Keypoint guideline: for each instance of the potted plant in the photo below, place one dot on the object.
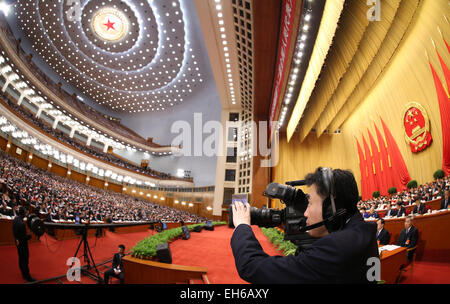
(392, 190)
(376, 194)
(438, 174)
(412, 184)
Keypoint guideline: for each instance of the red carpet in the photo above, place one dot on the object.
(210, 249)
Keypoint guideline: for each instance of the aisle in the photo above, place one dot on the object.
(211, 249)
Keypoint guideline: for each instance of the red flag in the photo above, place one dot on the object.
(444, 107)
(377, 161)
(448, 47)
(372, 186)
(400, 171)
(362, 168)
(386, 167)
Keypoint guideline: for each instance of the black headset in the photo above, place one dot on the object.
(333, 219)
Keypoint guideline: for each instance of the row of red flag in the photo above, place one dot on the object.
(382, 166)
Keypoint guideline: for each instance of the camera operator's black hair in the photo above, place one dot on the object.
(345, 188)
(122, 246)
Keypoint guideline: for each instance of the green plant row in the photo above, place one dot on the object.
(277, 239)
(147, 247)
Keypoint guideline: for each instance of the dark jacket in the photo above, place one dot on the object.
(340, 257)
(401, 212)
(117, 261)
(409, 239)
(20, 231)
(393, 212)
(420, 210)
(384, 237)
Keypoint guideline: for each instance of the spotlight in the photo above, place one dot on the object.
(5, 7)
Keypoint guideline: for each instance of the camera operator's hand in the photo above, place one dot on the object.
(241, 213)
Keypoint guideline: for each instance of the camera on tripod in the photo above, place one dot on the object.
(291, 218)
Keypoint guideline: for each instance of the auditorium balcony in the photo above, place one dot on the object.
(32, 84)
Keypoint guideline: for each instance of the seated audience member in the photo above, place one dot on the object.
(419, 208)
(389, 211)
(408, 236)
(117, 267)
(401, 211)
(445, 203)
(365, 214)
(373, 213)
(383, 236)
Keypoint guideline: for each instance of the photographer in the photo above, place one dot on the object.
(340, 253)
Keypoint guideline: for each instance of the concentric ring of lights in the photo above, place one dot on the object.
(151, 82)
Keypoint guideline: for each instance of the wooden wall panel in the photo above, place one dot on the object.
(3, 143)
(39, 162)
(78, 176)
(61, 171)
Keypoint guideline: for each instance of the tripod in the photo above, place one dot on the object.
(88, 259)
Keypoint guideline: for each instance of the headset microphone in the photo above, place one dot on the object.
(339, 213)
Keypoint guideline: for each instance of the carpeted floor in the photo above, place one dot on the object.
(210, 249)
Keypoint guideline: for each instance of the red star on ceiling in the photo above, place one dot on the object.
(109, 25)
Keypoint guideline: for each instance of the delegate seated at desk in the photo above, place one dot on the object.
(409, 236)
(383, 236)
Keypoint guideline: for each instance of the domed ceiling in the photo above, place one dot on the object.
(129, 56)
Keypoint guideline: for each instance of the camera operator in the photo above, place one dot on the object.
(21, 237)
(340, 253)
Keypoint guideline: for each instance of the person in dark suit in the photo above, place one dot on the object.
(117, 268)
(445, 203)
(401, 211)
(383, 236)
(339, 255)
(21, 238)
(419, 208)
(409, 236)
(389, 211)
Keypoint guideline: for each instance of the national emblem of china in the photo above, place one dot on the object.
(417, 127)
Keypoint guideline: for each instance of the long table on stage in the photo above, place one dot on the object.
(434, 230)
(390, 264)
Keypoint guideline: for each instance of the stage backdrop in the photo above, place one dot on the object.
(407, 78)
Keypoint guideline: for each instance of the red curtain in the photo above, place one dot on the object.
(400, 171)
(387, 168)
(362, 168)
(377, 161)
(372, 186)
(444, 107)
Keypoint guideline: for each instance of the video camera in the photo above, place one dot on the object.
(291, 218)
